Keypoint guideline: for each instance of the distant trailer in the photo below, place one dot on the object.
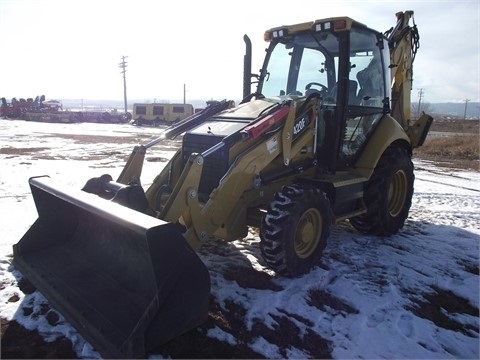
(77, 117)
(159, 113)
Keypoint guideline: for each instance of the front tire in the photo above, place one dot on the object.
(388, 194)
(295, 229)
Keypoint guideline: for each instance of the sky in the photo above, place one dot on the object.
(72, 49)
(367, 299)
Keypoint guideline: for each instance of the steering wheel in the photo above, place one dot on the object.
(308, 90)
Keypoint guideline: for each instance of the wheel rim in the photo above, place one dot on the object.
(397, 193)
(308, 232)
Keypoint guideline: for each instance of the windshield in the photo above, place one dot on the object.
(306, 64)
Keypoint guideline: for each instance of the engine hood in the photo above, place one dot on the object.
(248, 111)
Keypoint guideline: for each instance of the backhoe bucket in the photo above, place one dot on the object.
(126, 281)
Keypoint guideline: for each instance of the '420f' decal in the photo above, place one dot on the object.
(301, 123)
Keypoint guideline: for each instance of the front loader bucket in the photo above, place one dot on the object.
(126, 281)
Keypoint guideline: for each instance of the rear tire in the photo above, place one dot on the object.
(295, 229)
(388, 194)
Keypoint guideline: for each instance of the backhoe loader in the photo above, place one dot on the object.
(326, 136)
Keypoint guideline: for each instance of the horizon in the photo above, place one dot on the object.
(74, 104)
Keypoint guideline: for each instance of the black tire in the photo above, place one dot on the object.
(295, 229)
(388, 194)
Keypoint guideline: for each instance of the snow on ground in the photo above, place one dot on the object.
(368, 298)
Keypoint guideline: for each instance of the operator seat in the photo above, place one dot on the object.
(352, 92)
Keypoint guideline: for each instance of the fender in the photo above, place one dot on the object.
(386, 133)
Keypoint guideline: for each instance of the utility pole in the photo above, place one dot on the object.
(465, 112)
(184, 94)
(123, 66)
(420, 96)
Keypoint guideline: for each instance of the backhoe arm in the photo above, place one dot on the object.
(404, 42)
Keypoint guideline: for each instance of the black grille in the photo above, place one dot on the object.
(216, 162)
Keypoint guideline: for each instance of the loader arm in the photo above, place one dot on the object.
(132, 170)
(225, 210)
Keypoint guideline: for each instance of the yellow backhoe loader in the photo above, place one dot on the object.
(326, 136)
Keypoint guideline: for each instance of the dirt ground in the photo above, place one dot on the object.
(443, 123)
(19, 343)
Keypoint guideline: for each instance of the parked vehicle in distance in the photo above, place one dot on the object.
(155, 114)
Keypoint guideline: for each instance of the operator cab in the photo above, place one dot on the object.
(342, 63)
